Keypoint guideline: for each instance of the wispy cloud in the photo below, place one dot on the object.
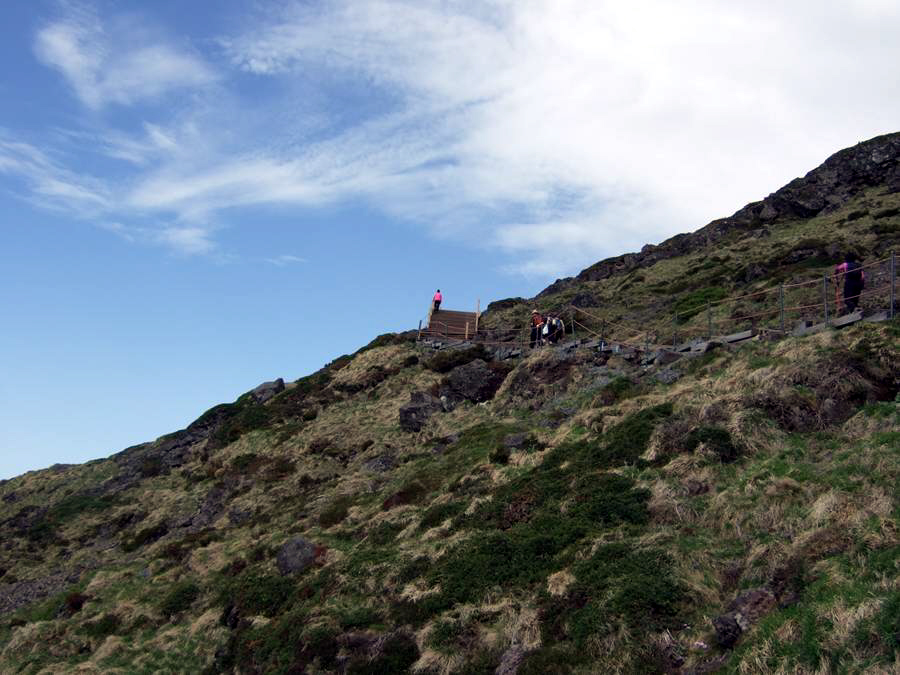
(556, 131)
(283, 260)
(50, 184)
(121, 63)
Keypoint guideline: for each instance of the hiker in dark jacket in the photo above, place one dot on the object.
(537, 324)
(854, 281)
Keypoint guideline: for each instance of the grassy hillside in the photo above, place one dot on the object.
(567, 511)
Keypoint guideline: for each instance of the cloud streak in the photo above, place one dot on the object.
(121, 64)
(556, 131)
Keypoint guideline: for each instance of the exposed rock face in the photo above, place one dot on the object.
(414, 415)
(474, 382)
(267, 390)
(841, 178)
(295, 555)
(743, 612)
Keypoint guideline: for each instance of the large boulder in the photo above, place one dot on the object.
(296, 555)
(415, 414)
(475, 382)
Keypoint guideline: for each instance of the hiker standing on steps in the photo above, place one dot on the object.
(537, 323)
(854, 280)
(437, 300)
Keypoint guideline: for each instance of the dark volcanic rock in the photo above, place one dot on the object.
(584, 300)
(380, 464)
(295, 555)
(743, 612)
(22, 593)
(267, 390)
(474, 382)
(415, 414)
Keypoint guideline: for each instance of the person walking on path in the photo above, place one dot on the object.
(537, 323)
(854, 281)
(437, 300)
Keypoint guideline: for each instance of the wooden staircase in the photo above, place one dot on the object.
(452, 325)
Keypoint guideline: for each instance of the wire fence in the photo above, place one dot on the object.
(777, 309)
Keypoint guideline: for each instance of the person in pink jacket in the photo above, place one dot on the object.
(437, 300)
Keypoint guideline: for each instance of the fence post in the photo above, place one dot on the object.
(893, 282)
(781, 304)
(477, 314)
(419, 337)
(467, 330)
(708, 321)
(825, 295)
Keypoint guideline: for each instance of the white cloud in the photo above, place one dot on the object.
(283, 260)
(650, 117)
(557, 131)
(124, 63)
(50, 184)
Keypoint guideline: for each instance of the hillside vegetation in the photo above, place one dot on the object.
(569, 510)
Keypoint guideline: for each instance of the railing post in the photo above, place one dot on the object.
(893, 282)
(825, 295)
(419, 337)
(477, 314)
(708, 321)
(467, 331)
(781, 303)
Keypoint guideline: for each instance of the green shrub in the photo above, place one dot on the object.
(336, 511)
(627, 441)
(619, 389)
(617, 585)
(179, 598)
(256, 593)
(384, 533)
(693, 303)
(103, 627)
(437, 514)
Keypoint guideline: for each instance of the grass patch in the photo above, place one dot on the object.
(254, 593)
(179, 598)
(692, 304)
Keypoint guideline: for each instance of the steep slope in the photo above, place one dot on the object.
(850, 203)
(461, 511)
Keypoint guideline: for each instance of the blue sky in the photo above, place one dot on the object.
(199, 197)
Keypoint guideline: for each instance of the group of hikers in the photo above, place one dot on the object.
(545, 330)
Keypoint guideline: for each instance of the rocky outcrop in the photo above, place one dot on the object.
(476, 382)
(842, 177)
(267, 390)
(743, 612)
(415, 414)
(295, 556)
